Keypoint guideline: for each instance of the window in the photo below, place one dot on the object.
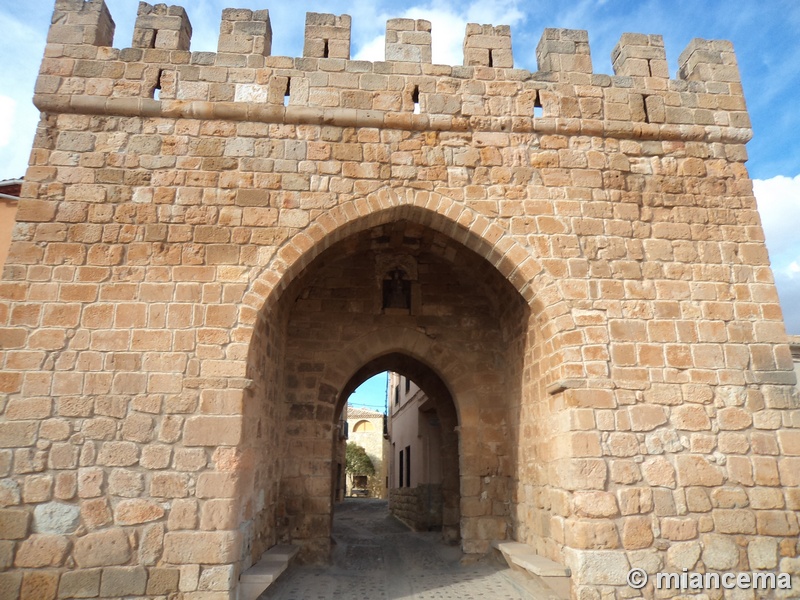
(408, 466)
(396, 395)
(400, 462)
(408, 385)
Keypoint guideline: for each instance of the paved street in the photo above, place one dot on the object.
(377, 558)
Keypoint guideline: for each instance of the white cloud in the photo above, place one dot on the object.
(789, 294)
(448, 25)
(8, 109)
(779, 205)
(374, 50)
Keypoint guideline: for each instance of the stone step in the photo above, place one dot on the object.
(260, 576)
(523, 557)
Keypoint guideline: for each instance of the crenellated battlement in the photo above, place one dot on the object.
(83, 73)
(327, 36)
(162, 26)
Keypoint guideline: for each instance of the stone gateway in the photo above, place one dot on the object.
(196, 282)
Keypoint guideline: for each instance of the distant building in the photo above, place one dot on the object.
(366, 428)
(9, 198)
(794, 345)
(415, 488)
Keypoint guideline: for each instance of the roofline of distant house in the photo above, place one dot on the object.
(8, 197)
(11, 182)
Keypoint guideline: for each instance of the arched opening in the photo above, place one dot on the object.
(455, 326)
(423, 453)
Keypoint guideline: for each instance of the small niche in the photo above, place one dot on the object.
(153, 38)
(287, 94)
(396, 291)
(644, 109)
(538, 109)
(325, 49)
(491, 59)
(415, 99)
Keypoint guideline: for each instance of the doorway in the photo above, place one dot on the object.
(402, 297)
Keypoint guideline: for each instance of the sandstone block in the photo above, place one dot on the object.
(690, 417)
(673, 528)
(220, 514)
(634, 501)
(162, 581)
(203, 547)
(123, 581)
(136, 512)
(41, 585)
(14, 523)
(183, 514)
(777, 523)
(118, 454)
(216, 578)
(734, 521)
(155, 456)
(637, 533)
(696, 470)
(789, 441)
(42, 551)
(605, 567)
(658, 471)
(102, 548)
(212, 431)
(734, 418)
(592, 535)
(581, 474)
(82, 583)
(18, 434)
(595, 504)
(126, 483)
(169, 485)
(683, 555)
(720, 552)
(151, 544)
(646, 417)
(222, 485)
(762, 553)
(95, 513)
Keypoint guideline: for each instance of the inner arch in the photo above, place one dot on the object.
(439, 402)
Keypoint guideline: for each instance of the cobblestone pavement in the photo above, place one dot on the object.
(377, 558)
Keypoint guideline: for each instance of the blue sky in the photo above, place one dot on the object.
(764, 33)
(371, 394)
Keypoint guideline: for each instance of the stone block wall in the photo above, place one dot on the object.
(419, 507)
(598, 302)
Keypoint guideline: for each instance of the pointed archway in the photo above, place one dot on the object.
(460, 330)
(443, 498)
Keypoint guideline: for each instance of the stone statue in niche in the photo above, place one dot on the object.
(396, 290)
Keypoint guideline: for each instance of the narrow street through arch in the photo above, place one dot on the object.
(376, 557)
